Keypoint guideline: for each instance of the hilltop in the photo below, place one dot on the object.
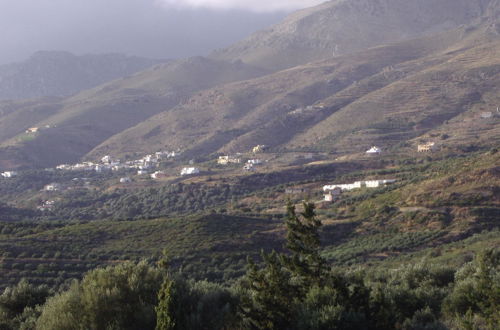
(343, 27)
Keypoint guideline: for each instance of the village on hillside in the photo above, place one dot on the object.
(164, 167)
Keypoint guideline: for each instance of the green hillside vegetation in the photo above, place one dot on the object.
(434, 204)
(291, 290)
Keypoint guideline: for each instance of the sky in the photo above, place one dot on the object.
(149, 28)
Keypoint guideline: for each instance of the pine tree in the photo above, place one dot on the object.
(303, 241)
(276, 290)
(269, 304)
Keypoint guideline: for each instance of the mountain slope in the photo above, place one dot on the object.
(62, 74)
(343, 103)
(72, 127)
(385, 95)
(346, 26)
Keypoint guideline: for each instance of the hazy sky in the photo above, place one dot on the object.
(153, 28)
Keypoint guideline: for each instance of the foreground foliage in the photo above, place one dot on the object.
(293, 290)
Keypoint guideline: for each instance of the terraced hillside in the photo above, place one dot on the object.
(387, 96)
(342, 27)
(418, 48)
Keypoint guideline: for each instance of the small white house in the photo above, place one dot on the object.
(259, 148)
(254, 161)
(158, 175)
(32, 130)
(125, 180)
(427, 147)
(190, 171)
(64, 167)
(333, 195)
(486, 115)
(107, 159)
(142, 172)
(224, 160)
(53, 187)
(374, 151)
(9, 174)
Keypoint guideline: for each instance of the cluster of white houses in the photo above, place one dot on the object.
(249, 165)
(108, 163)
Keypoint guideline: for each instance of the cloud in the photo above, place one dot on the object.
(252, 5)
(135, 27)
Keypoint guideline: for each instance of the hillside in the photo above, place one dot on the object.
(444, 207)
(342, 27)
(69, 128)
(431, 72)
(51, 73)
(387, 96)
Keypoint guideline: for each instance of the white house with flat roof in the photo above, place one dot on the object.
(190, 171)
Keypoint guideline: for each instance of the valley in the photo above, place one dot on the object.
(338, 170)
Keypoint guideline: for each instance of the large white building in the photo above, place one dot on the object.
(358, 184)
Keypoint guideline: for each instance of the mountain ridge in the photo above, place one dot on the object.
(59, 73)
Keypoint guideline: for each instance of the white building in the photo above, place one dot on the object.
(158, 175)
(378, 183)
(374, 151)
(358, 184)
(343, 187)
(9, 174)
(427, 147)
(248, 168)
(224, 160)
(333, 195)
(142, 172)
(254, 161)
(65, 167)
(107, 159)
(53, 187)
(190, 171)
(259, 148)
(486, 115)
(125, 180)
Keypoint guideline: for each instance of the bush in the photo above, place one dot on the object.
(120, 297)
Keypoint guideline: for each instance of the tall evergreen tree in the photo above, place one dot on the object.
(303, 240)
(271, 298)
(276, 290)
